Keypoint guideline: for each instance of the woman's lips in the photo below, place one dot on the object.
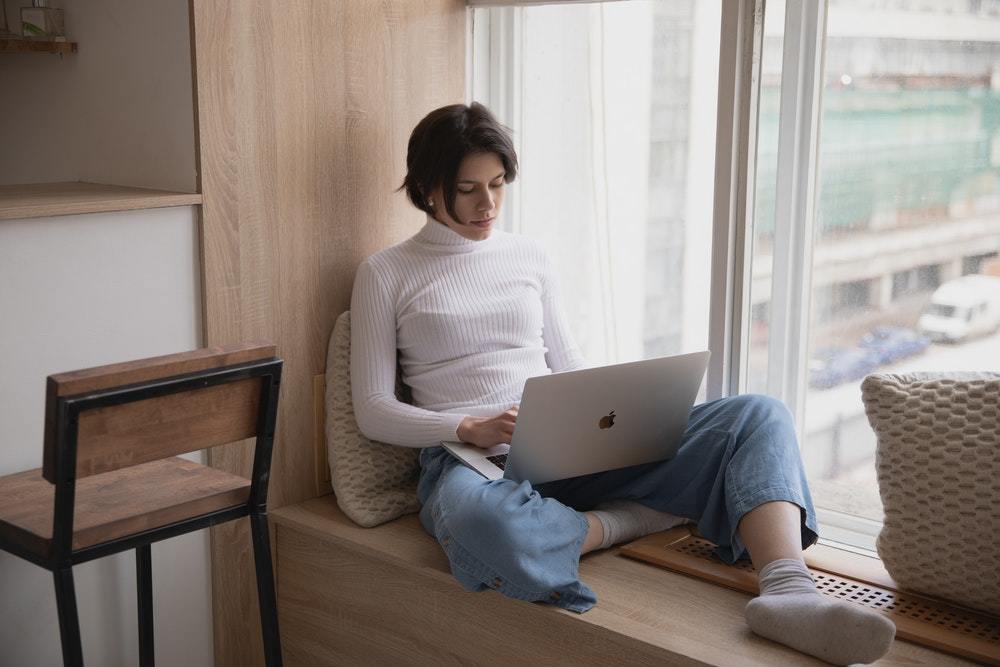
(482, 223)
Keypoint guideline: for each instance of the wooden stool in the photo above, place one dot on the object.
(111, 480)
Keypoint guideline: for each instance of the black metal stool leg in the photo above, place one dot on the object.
(265, 590)
(144, 600)
(69, 621)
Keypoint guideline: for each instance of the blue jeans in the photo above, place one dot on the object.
(737, 453)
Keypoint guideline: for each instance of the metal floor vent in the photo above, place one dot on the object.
(918, 619)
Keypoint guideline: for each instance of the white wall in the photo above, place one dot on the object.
(118, 111)
(78, 291)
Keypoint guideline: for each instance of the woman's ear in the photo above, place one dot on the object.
(429, 199)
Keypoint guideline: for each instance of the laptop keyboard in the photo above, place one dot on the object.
(499, 460)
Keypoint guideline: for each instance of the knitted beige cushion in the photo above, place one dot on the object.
(938, 464)
(374, 482)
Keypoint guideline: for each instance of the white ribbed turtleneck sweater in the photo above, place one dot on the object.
(471, 321)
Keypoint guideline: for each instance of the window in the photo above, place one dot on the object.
(980, 263)
(915, 281)
(612, 106)
(904, 176)
(854, 178)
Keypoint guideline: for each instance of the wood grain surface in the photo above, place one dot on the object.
(94, 379)
(304, 111)
(18, 45)
(42, 200)
(349, 595)
(105, 434)
(118, 503)
(919, 619)
(123, 435)
(322, 461)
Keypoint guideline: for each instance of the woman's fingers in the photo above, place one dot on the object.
(509, 418)
(486, 433)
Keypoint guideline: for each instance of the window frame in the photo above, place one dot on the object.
(740, 53)
(736, 128)
(795, 203)
(740, 47)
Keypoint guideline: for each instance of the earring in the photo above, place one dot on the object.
(430, 202)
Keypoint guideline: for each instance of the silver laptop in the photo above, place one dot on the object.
(592, 420)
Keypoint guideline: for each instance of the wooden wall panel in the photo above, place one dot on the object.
(304, 108)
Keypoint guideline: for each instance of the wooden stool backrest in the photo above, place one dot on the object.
(124, 434)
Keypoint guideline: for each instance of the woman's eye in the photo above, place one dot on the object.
(465, 192)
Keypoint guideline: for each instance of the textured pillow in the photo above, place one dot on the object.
(374, 482)
(938, 463)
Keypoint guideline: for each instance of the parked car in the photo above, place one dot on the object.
(830, 366)
(963, 308)
(894, 343)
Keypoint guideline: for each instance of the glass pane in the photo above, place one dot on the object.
(615, 131)
(762, 265)
(905, 275)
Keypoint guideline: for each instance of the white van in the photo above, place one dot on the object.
(962, 308)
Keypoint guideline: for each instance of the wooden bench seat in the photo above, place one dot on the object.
(384, 595)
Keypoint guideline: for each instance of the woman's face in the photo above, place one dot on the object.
(480, 187)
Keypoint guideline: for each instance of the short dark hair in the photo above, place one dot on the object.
(440, 142)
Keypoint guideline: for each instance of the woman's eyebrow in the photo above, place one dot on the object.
(503, 173)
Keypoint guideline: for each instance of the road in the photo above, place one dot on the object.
(824, 406)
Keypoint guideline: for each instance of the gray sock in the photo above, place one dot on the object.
(790, 610)
(625, 520)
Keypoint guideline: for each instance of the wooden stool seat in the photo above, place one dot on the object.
(118, 503)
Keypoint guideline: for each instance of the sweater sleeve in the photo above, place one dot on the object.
(562, 353)
(380, 415)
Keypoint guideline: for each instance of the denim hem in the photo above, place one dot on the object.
(479, 576)
(568, 599)
(577, 544)
(741, 506)
(575, 604)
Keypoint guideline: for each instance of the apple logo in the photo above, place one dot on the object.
(607, 422)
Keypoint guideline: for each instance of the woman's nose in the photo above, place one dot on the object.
(486, 201)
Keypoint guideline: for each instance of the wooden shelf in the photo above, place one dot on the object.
(39, 200)
(14, 45)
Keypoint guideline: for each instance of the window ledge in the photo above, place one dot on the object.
(849, 576)
(850, 564)
(374, 591)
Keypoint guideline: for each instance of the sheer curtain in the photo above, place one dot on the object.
(602, 99)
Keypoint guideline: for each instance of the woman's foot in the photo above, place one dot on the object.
(626, 520)
(790, 610)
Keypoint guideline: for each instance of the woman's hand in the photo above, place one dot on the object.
(485, 432)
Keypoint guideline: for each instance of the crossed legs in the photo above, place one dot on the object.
(789, 609)
(738, 474)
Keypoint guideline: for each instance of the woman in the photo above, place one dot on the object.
(471, 312)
